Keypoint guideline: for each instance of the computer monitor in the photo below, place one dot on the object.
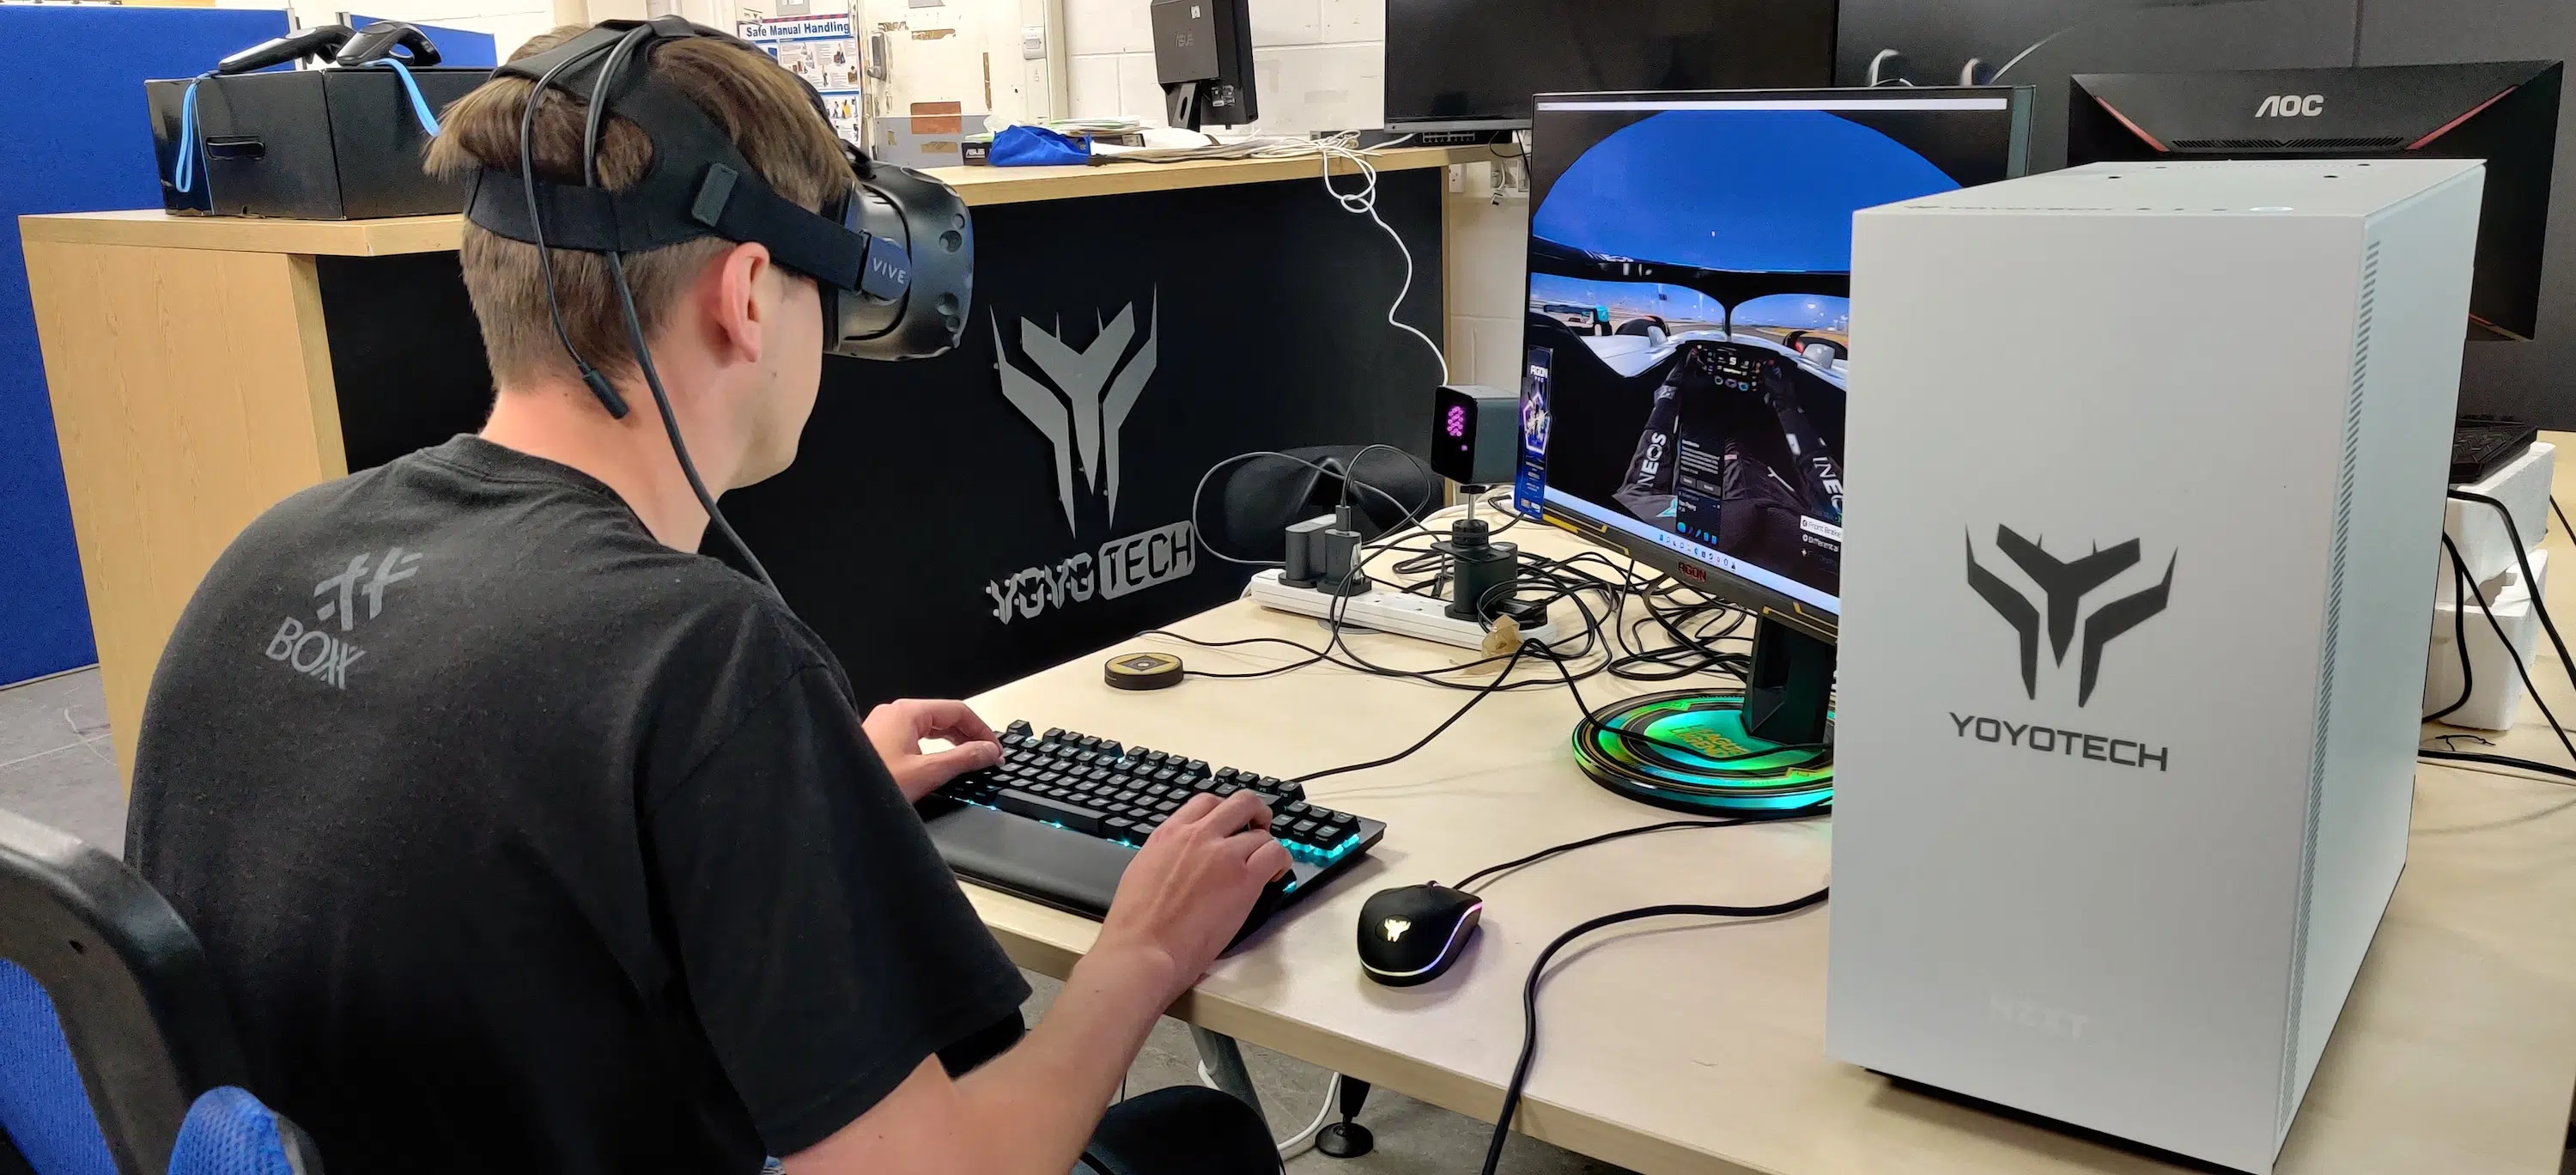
(2504, 112)
(1203, 58)
(1474, 64)
(1687, 336)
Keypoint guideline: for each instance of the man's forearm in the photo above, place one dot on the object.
(1040, 1101)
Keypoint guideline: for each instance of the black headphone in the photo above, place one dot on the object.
(894, 256)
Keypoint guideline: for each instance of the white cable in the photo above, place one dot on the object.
(1364, 202)
(1300, 1142)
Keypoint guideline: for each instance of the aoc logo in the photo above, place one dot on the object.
(2063, 585)
(2291, 106)
(1080, 399)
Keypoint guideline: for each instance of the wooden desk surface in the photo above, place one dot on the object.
(433, 234)
(1692, 1046)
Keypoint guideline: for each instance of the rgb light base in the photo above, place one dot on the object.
(1735, 772)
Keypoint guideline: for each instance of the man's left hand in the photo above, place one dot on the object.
(897, 728)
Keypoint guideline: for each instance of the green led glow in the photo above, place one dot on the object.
(1732, 771)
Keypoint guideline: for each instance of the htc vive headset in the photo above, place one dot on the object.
(894, 257)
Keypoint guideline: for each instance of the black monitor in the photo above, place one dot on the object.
(1687, 336)
(1203, 58)
(2504, 112)
(1474, 64)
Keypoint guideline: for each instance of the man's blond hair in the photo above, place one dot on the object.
(752, 100)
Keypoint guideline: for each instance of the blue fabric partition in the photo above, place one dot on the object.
(456, 47)
(74, 137)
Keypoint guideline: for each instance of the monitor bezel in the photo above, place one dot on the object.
(1761, 599)
(1522, 119)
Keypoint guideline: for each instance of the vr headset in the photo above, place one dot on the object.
(894, 256)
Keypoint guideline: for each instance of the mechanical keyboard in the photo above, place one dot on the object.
(1057, 820)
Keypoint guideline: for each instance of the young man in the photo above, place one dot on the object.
(522, 837)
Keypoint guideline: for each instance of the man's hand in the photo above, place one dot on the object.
(1191, 886)
(897, 728)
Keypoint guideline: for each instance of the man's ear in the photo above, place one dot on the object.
(743, 300)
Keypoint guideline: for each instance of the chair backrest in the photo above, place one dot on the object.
(111, 1023)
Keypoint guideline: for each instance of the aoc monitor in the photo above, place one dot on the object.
(1465, 65)
(2503, 112)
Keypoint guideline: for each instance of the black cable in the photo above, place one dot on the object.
(2500, 761)
(1199, 495)
(597, 116)
(2531, 585)
(2562, 517)
(2524, 671)
(1801, 812)
(635, 322)
(1481, 694)
(671, 425)
(2460, 637)
(606, 392)
(1590, 726)
(1538, 973)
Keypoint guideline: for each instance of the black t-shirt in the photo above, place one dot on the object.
(520, 841)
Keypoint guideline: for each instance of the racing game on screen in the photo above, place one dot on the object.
(1689, 311)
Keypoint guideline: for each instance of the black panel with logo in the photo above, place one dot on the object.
(950, 525)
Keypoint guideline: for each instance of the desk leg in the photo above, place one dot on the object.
(1224, 1061)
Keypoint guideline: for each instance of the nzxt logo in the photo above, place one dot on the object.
(2291, 106)
(1093, 391)
(2065, 584)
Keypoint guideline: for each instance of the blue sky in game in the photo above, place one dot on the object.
(1681, 304)
(1757, 190)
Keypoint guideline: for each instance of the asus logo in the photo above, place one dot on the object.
(2291, 106)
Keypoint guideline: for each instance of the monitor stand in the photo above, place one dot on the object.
(1766, 749)
(1788, 695)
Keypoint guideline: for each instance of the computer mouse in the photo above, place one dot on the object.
(1411, 934)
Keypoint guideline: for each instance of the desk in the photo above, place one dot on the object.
(1687, 1046)
(202, 368)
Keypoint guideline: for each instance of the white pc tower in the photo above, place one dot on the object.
(2147, 473)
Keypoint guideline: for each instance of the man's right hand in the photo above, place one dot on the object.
(1190, 888)
(1028, 1111)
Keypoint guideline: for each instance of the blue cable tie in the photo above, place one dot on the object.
(183, 176)
(419, 105)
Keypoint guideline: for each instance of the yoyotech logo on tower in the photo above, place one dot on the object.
(1079, 399)
(2063, 584)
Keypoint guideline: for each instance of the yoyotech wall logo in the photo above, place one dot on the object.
(2063, 585)
(1094, 390)
(1080, 399)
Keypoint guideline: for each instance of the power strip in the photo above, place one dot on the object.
(1400, 613)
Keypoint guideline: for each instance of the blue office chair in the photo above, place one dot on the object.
(117, 1056)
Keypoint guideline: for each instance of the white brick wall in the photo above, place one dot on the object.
(1486, 266)
(1318, 64)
